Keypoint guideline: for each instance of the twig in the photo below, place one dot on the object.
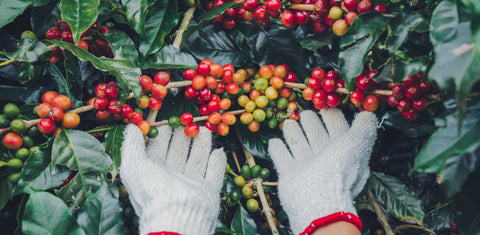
(236, 161)
(302, 7)
(7, 62)
(270, 183)
(338, 90)
(186, 20)
(405, 226)
(196, 119)
(381, 217)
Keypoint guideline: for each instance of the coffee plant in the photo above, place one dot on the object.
(74, 73)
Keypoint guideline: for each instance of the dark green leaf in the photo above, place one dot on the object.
(242, 222)
(447, 142)
(256, 142)
(222, 229)
(401, 26)
(11, 9)
(397, 69)
(60, 81)
(468, 206)
(160, 21)
(136, 14)
(23, 94)
(396, 198)
(82, 152)
(456, 171)
(210, 14)
(214, 43)
(272, 44)
(113, 143)
(28, 50)
(5, 191)
(80, 14)
(44, 17)
(170, 57)
(176, 106)
(37, 174)
(122, 46)
(444, 22)
(102, 213)
(47, 214)
(73, 75)
(121, 68)
(311, 41)
(356, 43)
(416, 129)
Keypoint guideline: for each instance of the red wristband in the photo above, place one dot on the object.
(338, 216)
(163, 233)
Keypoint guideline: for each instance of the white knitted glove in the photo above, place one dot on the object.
(322, 170)
(172, 187)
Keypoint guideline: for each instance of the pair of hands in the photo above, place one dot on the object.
(174, 187)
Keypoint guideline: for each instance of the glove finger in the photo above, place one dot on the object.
(157, 148)
(198, 159)
(316, 134)
(296, 140)
(178, 151)
(364, 130)
(335, 122)
(280, 155)
(216, 168)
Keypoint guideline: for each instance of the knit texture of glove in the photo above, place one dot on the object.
(324, 166)
(171, 186)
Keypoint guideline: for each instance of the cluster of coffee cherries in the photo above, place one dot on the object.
(410, 97)
(330, 14)
(54, 111)
(243, 189)
(321, 88)
(19, 141)
(91, 40)
(366, 83)
(108, 107)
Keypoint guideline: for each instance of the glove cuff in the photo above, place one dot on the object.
(335, 217)
(179, 217)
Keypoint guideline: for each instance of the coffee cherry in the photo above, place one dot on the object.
(412, 92)
(420, 104)
(411, 80)
(46, 126)
(100, 90)
(264, 173)
(426, 87)
(203, 109)
(320, 27)
(144, 127)
(314, 83)
(335, 13)
(100, 103)
(225, 104)
(318, 73)
(13, 141)
(127, 111)
(210, 126)
(247, 191)
(370, 103)
(319, 97)
(260, 12)
(159, 91)
(115, 107)
(42, 110)
(223, 129)
(70, 120)
(214, 118)
(229, 119)
(288, 19)
(392, 101)
(186, 119)
(146, 83)
(111, 92)
(234, 195)
(189, 74)
(163, 78)
(254, 126)
(382, 8)
(191, 130)
(260, 84)
(328, 85)
(250, 5)
(56, 114)
(18, 126)
(103, 115)
(174, 122)
(190, 93)
(135, 118)
(48, 97)
(239, 181)
(398, 91)
(238, 78)
(252, 205)
(203, 69)
(104, 29)
(403, 105)
(232, 88)
(363, 84)
(82, 44)
(351, 5)
(364, 6)
(22, 153)
(246, 118)
(333, 100)
(410, 115)
(230, 13)
(245, 172)
(62, 101)
(321, 7)
(67, 37)
(307, 93)
(350, 16)
(53, 33)
(291, 77)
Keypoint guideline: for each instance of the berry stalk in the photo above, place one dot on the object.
(197, 119)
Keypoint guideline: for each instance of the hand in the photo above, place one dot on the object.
(172, 187)
(325, 168)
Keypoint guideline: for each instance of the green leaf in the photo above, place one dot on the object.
(37, 174)
(206, 18)
(242, 222)
(11, 9)
(136, 14)
(102, 213)
(113, 143)
(256, 142)
(467, 205)
(396, 198)
(170, 57)
(121, 68)
(5, 191)
(447, 141)
(60, 81)
(214, 43)
(272, 44)
(44, 17)
(401, 26)
(47, 214)
(176, 105)
(28, 50)
(80, 14)
(82, 152)
(123, 47)
(162, 18)
(73, 75)
(416, 129)
(444, 22)
(398, 68)
(456, 171)
(356, 43)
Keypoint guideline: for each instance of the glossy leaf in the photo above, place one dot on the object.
(79, 151)
(422, 127)
(444, 22)
(206, 19)
(121, 68)
(162, 18)
(11, 9)
(102, 213)
(170, 57)
(176, 105)
(467, 203)
(242, 222)
(37, 174)
(398, 68)
(447, 141)
(44, 17)
(47, 214)
(396, 198)
(5, 191)
(28, 50)
(214, 43)
(136, 14)
(356, 43)
(256, 142)
(401, 26)
(123, 47)
(80, 14)
(60, 81)
(456, 171)
(113, 143)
